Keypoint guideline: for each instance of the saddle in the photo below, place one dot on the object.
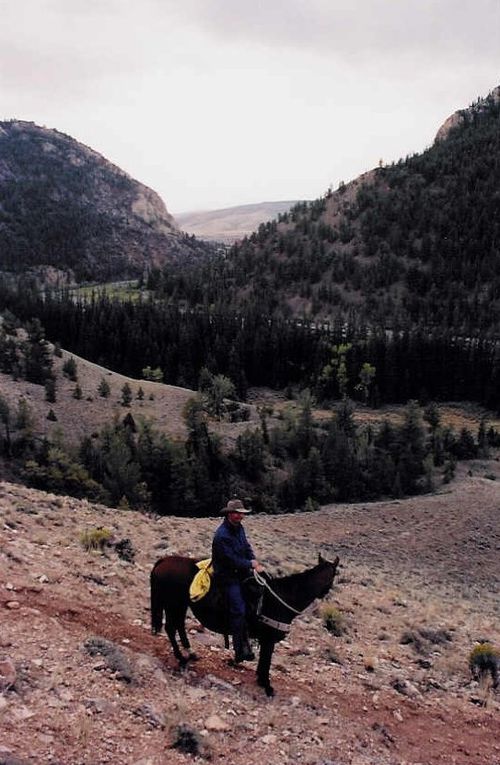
(210, 607)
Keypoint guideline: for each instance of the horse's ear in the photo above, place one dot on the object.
(320, 558)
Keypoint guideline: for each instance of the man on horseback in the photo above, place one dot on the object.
(233, 560)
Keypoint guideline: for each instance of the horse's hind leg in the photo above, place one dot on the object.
(172, 626)
(175, 624)
(181, 628)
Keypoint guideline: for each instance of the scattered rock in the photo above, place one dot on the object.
(8, 674)
(114, 658)
(217, 682)
(404, 687)
(100, 706)
(269, 738)
(12, 760)
(22, 713)
(150, 714)
(214, 722)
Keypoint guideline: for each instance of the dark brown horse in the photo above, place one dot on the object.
(283, 598)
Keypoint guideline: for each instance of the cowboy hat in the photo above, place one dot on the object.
(235, 506)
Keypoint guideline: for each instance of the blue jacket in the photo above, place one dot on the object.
(232, 554)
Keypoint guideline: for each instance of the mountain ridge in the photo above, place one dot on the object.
(413, 242)
(64, 206)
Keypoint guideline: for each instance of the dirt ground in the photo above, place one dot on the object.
(418, 586)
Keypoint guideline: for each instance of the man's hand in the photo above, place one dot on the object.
(257, 566)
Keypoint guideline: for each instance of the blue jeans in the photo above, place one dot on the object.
(237, 613)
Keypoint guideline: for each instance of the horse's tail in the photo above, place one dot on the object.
(156, 604)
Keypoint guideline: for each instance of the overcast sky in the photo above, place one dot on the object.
(215, 103)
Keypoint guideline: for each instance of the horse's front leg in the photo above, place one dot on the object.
(264, 666)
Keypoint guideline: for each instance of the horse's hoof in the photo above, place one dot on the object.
(193, 656)
(235, 664)
(266, 685)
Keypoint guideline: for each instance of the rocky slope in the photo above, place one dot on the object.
(458, 117)
(64, 206)
(82, 681)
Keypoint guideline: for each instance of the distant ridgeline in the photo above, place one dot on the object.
(67, 213)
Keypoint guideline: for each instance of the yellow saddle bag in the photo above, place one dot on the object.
(202, 580)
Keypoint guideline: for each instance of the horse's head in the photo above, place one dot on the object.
(326, 574)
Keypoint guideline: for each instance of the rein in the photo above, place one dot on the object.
(263, 583)
(281, 626)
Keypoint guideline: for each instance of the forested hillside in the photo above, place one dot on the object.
(411, 244)
(67, 212)
(73, 428)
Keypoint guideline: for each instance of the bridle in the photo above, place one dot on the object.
(264, 583)
(274, 623)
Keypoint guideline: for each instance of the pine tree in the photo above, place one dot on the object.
(482, 439)
(50, 390)
(221, 387)
(250, 453)
(70, 369)
(126, 395)
(103, 388)
(366, 377)
(37, 356)
(5, 419)
(24, 415)
(122, 474)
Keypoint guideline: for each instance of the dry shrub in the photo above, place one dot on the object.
(125, 550)
(370, 663)
(484, 659)
(333, 620)
(96, 539)
(332, 656)
(423, 638)
(187, 740)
